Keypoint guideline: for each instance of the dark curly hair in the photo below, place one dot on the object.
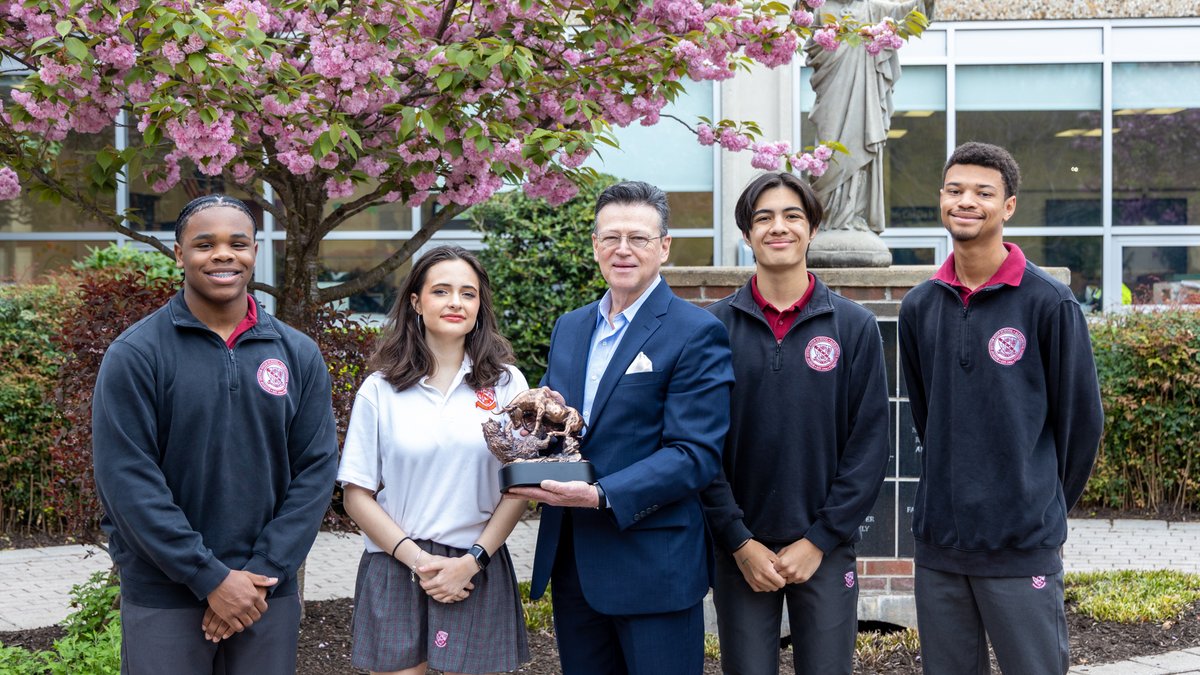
(991, 157)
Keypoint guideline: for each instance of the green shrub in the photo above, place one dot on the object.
(1149, 368)
(539, 614)
(92, 643)
(152, 265)
(1132, 597)
(539, 259)
(29, 317)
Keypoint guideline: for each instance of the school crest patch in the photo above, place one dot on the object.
(848, 577)
(485, 399)
(441, 638)
(1039, 582)
(822, 353)
(1007, 346)
(273, 377)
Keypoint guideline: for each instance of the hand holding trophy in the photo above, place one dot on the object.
(536, 419)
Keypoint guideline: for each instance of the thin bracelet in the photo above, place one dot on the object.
(397, 546)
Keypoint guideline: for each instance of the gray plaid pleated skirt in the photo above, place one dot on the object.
(397, 626)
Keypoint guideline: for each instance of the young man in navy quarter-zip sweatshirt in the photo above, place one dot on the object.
(1005, 399)
(806, 451)
(215, 452)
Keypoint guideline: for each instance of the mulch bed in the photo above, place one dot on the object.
(325, 643)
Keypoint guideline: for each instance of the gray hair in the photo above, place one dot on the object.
(636, 192)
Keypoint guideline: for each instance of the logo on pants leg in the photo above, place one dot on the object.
(848, 577)
(441, 638)
(1039, 582)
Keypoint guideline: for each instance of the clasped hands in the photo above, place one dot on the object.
(238, 602)
(448, 579)
(765, 571)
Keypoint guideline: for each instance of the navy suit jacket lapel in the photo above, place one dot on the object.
(578, 341)
(644, 324)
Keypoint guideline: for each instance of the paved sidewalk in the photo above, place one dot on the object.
(35, 583)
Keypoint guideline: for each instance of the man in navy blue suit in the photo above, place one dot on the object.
(629, 556)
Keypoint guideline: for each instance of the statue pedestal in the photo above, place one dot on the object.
(848, 248)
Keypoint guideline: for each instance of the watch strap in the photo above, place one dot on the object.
(482, 558)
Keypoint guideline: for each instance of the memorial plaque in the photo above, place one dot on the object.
(908, 495)
(879, 528)
(891, 359)
(909, 448)
(893, 413)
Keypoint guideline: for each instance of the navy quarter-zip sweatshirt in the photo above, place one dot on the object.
(208, 458)
(807, 446)
(1006, 401)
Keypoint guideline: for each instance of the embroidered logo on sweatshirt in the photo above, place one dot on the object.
(822, 353)
(485, 399)
(273, 377)
(441, 638)
(1007, 346)
(1039, 582)
(849, 579)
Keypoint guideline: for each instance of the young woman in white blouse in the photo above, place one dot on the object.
(435, 585)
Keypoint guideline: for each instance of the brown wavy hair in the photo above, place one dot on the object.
(402, 356)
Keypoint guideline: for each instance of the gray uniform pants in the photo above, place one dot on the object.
(822, 613)
(1022, 616)
(156, 641)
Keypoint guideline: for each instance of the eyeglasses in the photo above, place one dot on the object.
(635, 240)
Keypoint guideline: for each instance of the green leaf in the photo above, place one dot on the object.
(204, 18)
(354, 137)
(208, 114)
(77, 49)
(444, 81)
(435, 126)
(181, 29)
(197, 62)
(62, 28)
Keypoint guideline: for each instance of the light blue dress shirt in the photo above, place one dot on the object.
(606, 338)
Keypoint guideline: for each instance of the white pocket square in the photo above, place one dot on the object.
(641, 364)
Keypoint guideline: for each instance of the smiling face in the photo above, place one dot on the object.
(779, 232)
(216, 252)
(449, 300)
(974, 208)
(629, 270)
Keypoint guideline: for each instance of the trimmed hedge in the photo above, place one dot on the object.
(29, 363)
(1149, 367)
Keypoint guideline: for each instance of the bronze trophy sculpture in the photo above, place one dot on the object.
(536, 419)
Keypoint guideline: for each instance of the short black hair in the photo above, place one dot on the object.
(743, 212)
(207, 202)
(991, 157)
(635, 192)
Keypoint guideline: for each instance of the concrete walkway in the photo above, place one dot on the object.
(35, 583)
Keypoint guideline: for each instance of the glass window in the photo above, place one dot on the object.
(916, 145)
(1082, 255)
(28, 213)
(158, 211)
(28, 261)
(343, 260)
(1157, 275)
(691, 251)
(913, 256)
(1156, 131)
(389, 216)
(667, 155)
(1048, 117)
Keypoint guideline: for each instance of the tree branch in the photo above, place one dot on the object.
(350, 209)
(394, 261)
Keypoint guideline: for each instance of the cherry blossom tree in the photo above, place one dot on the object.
(404, 101)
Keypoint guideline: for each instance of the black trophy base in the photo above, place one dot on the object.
(531, 474)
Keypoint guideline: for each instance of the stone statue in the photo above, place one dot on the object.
(854, 105)
(536, 417)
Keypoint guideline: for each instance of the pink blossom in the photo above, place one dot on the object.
(733, 141)
(704, 134)
(826, 36)
(339, 189)
(814, 3)
(10, 184)
(823, 152)
(802, 18)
